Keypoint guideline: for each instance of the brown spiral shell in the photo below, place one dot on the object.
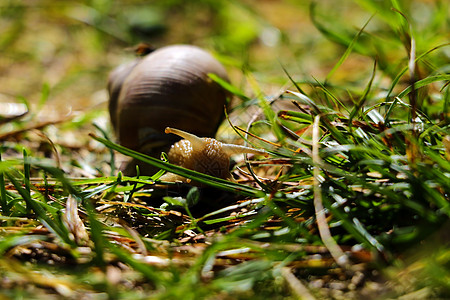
(169, 87)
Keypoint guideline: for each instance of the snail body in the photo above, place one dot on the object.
(204, 155)
(169, 87)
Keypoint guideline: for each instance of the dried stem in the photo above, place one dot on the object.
(296, 285)
(335, 251)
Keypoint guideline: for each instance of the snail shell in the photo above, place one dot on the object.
(169, 87)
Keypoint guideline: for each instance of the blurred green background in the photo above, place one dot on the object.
(56, 55)
(70, 46)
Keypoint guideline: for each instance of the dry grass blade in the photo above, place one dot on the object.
(135, 235)
(338, 255)
(247, 132)
(74, 223)
(62, 286)
(38, 126)
(296, 285)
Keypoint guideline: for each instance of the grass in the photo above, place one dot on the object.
(354, 193)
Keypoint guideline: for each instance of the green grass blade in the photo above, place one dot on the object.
(111, 152)
(363, 98)
(55, 226)
(295, 116)
(337, 35)
(332, 96)
(399, 76)
(3, 195)
(423, 82)
(11, 241)
(229, 87)
(348, 50)
(96, 233)
(200, 177)
(150, 273)
(292, 80)
(26, 173)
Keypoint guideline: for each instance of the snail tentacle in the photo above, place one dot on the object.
(196, 142)
(231, 149)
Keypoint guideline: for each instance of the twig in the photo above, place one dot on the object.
(296, 285)
(38, 126)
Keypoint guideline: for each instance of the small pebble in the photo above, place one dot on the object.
(338, 285)
(316, 284)
(357, 279)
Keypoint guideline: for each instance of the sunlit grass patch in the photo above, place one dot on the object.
(357, 177)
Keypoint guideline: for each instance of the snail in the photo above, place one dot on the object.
(204, 155)
(168, 87)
